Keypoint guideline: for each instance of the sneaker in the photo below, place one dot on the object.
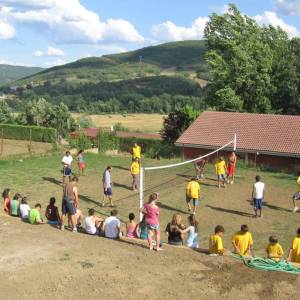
(295, 209)
(74, 229)
(62, 227)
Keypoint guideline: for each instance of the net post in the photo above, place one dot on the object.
(141, 191)
(234, 143)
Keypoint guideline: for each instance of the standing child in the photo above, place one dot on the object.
(67, 169)
(6, 198)
(296, 196)
(143, 229)
(294, 253)
(52, 213)
(136, 151)
(193, 194)
(199, 167)
(221, 170)
(231, 168)
(15, 205)
(80, 162)
(258, 193)
(132, 229)
(274, 249)
(192, 240)
(216, 243)
(24, 209)
(151, 212)
(135, 171)
(242, 241)
(107, 186)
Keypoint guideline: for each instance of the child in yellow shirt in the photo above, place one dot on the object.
(274, 249)
(242, 241)
(296, 196)
(221, 171)
(216, 243)
(193, 194)
(294, 253)
(135, 171)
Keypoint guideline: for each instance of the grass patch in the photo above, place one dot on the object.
(86, 264)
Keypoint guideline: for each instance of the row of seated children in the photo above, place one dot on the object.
(242, 243)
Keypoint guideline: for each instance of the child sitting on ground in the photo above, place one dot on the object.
(34, 215)
(112, 226)
(215, 241)
(15, 205)
(192, 240)
(24, 209)
(132, 229)
(93, 223)
(6, 198)
(242, 241)
(274, 249)
(52, 213)
(294, 253)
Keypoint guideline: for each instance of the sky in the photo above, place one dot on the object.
(53, 32)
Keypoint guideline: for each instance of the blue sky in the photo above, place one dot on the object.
(52, 32)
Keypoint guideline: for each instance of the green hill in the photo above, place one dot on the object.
(9, 74)
(153, 79)
(166, 59)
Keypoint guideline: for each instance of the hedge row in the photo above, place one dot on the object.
(33, 133)
(150, 147)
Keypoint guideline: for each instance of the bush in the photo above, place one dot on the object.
(107, 141)
(35, 133)
(150, 147)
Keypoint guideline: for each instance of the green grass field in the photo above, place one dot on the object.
(39, 179)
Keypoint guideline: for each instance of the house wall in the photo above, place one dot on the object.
(272, 161)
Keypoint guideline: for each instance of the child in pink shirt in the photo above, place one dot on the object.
(151, 212)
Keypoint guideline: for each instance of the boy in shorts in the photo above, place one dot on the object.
(221, 171)
(258, 194)
(66, 162)
(193, 194)
(107, 190)
(296, 196)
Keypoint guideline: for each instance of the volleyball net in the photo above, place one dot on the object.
(166, 178)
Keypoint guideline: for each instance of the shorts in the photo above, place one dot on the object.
(81, 165)
(257, 203)
(68, 207)
(153, 226)
(296, 196)
(67, 171)
(222, 177)
(107, 192)
(195, 200)
(231, 169)
(53, 222)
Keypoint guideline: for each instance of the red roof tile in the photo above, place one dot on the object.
(255, 132)
(88, 132)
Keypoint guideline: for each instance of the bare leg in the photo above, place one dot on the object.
(150, 239)
(157, 233)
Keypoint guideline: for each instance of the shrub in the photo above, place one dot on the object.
(107, 141)
(35, 133)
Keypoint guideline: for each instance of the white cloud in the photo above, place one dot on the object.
(287, 7)
(7, 31)
(13, 63)
(168, 31)
(51, 51)
(68, 21)
(111, 49)
(270, 18)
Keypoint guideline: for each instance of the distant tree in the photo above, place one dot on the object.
(176, 122)
(5, 113)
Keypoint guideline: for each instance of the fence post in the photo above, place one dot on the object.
(2, 140)
(30, 141)
(141, 194)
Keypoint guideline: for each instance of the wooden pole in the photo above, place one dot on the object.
(2, 140)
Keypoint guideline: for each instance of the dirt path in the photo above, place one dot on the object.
(41, 262)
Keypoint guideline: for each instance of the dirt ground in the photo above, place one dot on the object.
(17, 147)
(41, 262)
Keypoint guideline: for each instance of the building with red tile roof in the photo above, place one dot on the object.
(267, 139)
